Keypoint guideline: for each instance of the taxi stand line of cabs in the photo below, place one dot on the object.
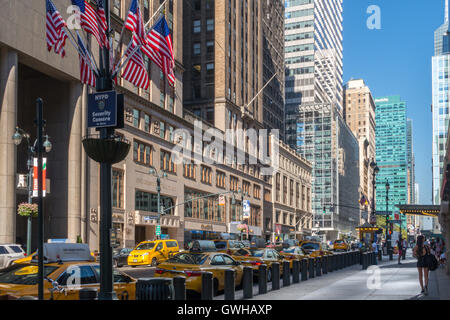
(21, 279)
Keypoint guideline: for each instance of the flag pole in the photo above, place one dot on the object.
(118, 68)
(89, 54)
(78, 49)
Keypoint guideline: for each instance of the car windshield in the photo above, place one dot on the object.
(189, 258)
(311, 246)
(16, 249)
(246, 243)
(146, 246)
(27, 275)
(339, 241)
(289, 250)
(220, 245)
(257, 253)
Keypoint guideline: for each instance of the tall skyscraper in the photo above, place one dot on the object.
(440, 104)
(359, 114)
(231, 50)
(411, 163)
(391, 154)
(315, 127)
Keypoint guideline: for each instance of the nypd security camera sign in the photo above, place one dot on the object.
(102, 109)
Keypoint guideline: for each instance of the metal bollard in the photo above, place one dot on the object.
(295, 271)
(333, 262)
(207, 286)
(318, 266)
(286, 274)
(179, 286)
(248, 283)
(311, 268)
(360, 255)
(365, 259)
(229, 289)
(262, 274)
(275, 276)
(154, 289)
(347, 260)
(324, 264)
(380, 255)
(304, 269)
(88, 294)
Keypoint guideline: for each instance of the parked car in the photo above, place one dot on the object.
(10, 253)
(152, 252)
(202, 257)
(340, 245)
(120, 256)
(256, 257)
(62, 262)
(293, 253)
(228, 246)
(314, 248)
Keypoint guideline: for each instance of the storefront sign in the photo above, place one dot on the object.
(278, 228)
(221, 200)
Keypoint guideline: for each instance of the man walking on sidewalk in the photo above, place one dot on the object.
(400, 249)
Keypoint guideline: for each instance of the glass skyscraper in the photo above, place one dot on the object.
(440, 91)
(314, 123)
(391, 135)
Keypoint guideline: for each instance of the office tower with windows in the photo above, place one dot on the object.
(391, 155)
(315, 127)
(411, 164)
(231, 50)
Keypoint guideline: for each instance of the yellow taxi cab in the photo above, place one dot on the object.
(228, 246)
(31, 256)
(340, 245)
(201, 257)
(254, 257)
(68, 268)
(314, 248)
(152, 252)
(293, 253)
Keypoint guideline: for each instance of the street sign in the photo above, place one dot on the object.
(102, 109)
(148, 218)
(246, 209)
(158, 230)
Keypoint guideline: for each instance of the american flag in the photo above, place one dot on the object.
(160, 41)
(135, 71)
(56, 34)
(135, 24)
(87, 75)
(92, 22)
(102, 21)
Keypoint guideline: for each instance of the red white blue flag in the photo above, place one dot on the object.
(135, 70)
(92, 21)
(55, 30)
(87, 75)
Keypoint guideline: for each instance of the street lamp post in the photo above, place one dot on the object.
(388, 236)
(375, 171)
(155, 173)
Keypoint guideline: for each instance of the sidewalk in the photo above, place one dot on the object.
(396, 282)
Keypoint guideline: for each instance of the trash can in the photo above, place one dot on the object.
(154, 289)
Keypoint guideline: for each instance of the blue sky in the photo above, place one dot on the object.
(397, 60)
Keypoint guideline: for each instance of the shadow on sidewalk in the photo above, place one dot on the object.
(404, 265)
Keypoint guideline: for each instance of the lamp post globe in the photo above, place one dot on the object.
(17, 137)
(47, 145)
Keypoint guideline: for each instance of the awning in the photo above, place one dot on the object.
(419, 210)
(367, 227)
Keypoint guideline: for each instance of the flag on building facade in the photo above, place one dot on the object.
(160, 40)
(55, 30)
(135, 70)
(87, 75)
(92, 22)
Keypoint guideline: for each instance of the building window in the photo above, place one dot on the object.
(197, 49)
(117, 188)
(136, 117)
(256, 192)
(197, 26)
(220, 179)
(246, 187)
(210, 25)
(278, 192)
(206, 175)
(189, 170)
(142, 153)
(210, 47)
(234, 183)
(267, 195)
(147, 121)
(291, 193)
(167, 163)
(210, 68)
(170, 133)
(162, 130)
(117, 7)
(145, 201)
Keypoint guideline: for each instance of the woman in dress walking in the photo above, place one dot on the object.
(419, 251)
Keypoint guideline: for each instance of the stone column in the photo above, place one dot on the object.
(8, 120)
(74, 161)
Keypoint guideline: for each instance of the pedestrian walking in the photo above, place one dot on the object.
(400, 249)
(405, 247)
(419, 252)
(375, 247)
